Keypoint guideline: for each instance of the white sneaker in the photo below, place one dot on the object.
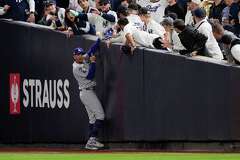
(93, 142)
(90, 147)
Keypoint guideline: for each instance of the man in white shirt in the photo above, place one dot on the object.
(103, 19)
(233, 44)
(172, 40)
(204, 27)
(156, 7)
(150, 25)
(191, 6)
(136, 37)
(133, 16)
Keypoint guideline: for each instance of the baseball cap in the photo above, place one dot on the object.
(143, 11)
(168, 21)
(78, 51)
(49, 3)
(199, 12)
(103, 2)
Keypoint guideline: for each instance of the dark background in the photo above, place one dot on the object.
(151, 96)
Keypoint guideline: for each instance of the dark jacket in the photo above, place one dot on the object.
(216, 11)
(192, 40)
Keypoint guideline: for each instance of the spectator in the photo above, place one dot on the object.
(102, 18)
(204, 27)
(77, 26)
(150, 25)
(192, 5)
(23, 10)
(62, 3)
(216, 10)
(172, 15)
(191, 39)
(126, 3)
(86, 8)
(218, 32)
(136, 37)
(74, 5)
(174, 7)
(122, 12)
(156, 8)
(3, 8)
(234, 46)
(172, 40)
(231, 16)
(53, 16)
(133, 16)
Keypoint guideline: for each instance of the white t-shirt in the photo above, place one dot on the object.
(136, 21)
(189, 18)
(156, 9)
(142, 38)
(212, 46)
(235, 52)
(2, 12)
(154, 28)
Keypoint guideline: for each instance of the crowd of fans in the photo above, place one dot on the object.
(187, 27)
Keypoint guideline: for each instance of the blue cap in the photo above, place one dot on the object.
(199, 12)
(78, 51)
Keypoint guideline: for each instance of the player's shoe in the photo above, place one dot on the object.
(93, 144)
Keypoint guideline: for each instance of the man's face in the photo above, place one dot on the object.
(51, 9)
(170, 1)
(70, 16)
(228, 2)
(142, 17)
(83, 3)
(78, 58)
(218, 35)
(124, 3)
(104, 6)
(191, 6)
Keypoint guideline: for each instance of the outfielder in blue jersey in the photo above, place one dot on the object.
(84, 68)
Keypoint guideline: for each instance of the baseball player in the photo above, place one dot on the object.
(84, 67)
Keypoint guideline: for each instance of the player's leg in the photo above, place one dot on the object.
(92, 120)
(96, 117)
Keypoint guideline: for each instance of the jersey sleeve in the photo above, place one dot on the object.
(31, 5)
(109, 17)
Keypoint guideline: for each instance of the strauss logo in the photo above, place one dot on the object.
(14, 94)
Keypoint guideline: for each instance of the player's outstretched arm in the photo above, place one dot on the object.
(93, 48)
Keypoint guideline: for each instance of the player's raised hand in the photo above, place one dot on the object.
(92, 59)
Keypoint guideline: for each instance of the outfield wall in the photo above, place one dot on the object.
(151, 96)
